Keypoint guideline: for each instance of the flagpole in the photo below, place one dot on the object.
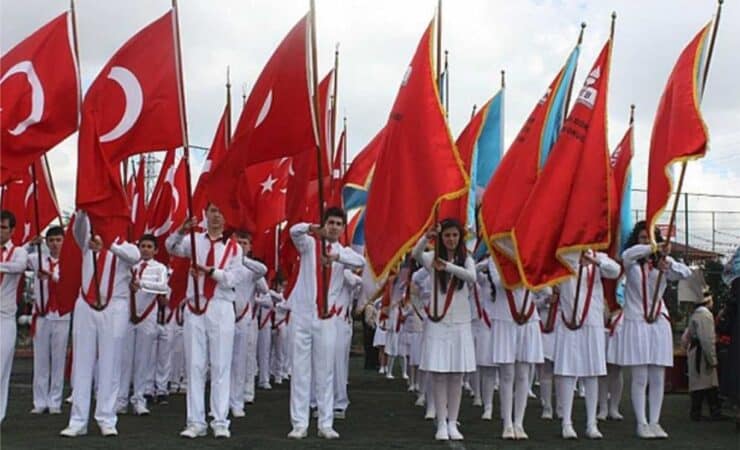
(334, 103)
(572, 79)
(38, 233)
(472, 113)
(632, 114)
(447, 87)
(186, 149)
(653, 306)
(344, 150)
(53, 190)
(439, 40)
(315, 100)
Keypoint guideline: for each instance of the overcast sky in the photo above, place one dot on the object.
(529, 39)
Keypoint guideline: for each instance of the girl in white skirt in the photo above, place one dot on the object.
(516, 345)
(610, 386)
(393, 325)
(484, 296)
(448, 350)
(380, 332)
(421, 284)
(646, 341)
(411, 341)
(579, 338)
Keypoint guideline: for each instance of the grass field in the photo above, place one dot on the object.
(382, 415)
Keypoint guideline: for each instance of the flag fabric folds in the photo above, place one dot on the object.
(512, 182)
(679, 132)
(568, 210)
(417, 168)
(39, 106)
(132, 107)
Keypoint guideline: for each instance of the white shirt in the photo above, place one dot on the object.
(253, 279)
(145, 299)
(500, 309)
(13, 263)
(607, 268)
(303, 297)
(39, 285)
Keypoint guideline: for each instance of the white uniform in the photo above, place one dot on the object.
(314, 339)
(244, 311)
(209, 335)
(51, 333)
(98, 335)
(163, 353)
(344, 340)
(138, 360)
(13, 262)
(280, 339)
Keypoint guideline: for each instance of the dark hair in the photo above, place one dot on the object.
(55, 230)
(148, 237)
(243, 234)
(634, 238)
(9, 216)
(461, 252)
(334, 211)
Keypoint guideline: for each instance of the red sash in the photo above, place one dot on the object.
(91, 296)
(612, 325)
(645, 311)
(448, 301)
(241, 315)
(209, 285)
(482, 314)
(520, 317)
(552, 314)
(576, 324)
(134, 318)
(322, 284)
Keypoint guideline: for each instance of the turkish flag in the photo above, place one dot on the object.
(276, 121)
(40, 96)
(18, 198)
(326, 125)
(265, 188)
(568, 210)
(512, 182)
(417, 167)
(70, 263)
(679, 132)
(220, 145)
(168, 207)
(131, 107)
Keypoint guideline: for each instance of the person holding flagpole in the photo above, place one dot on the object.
(646, 342)
(448, 350)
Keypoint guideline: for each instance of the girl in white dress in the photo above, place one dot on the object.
(580, 348)
(646, 341)
(484, 297)
(548, 311)
(448, 350)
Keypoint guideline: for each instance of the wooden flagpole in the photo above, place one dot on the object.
(38, 233)
(572, 80)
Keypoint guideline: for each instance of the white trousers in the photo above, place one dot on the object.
(209, 343)
(145, 353)
(239, 366)
(7, 349)
(314, 342)
(264, 341)
(163, 357)
(341, 363)
(177, 361)
(49, 357)
(97, 336)
(278, 353)
(251, 360)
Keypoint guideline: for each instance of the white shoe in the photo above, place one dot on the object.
(592, 432)
(442, 433)
(389, 376)
(477, 401)
(614, 415)
(487, 414)
(453, 432)
(420, 400)
(221, 432)
(658, 431)
(531, 394)
(508, 434)
(298, 433)
(405, 376)
(68, 400)
(467, 387)
(122, 410)
(519, 433)
(141, 410)
(328, 433)
(569, 432)
(192, 432)
(431, 414)
(278, 381)
(410, 388)
(237, 413)
(645, 432)
(73, 432)
(339, 414)
(546, 414)
(601, 416)
(38, 411)
(55, 411)
(381, 370)
(108, 431)
(265, 386)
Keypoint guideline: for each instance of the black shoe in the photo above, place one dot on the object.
(163, 399)
(149, 398)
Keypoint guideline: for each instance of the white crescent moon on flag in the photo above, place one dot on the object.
(265, 110)
(134, 102)
(168, 223)
(37, 95)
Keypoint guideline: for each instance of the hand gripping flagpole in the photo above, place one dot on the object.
(654, 304)
(186, 149)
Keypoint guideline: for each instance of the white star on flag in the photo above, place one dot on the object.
(268, 183)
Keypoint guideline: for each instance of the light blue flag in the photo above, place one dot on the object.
(626, 220)
(557, 113)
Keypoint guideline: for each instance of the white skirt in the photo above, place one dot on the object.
(392, 343)
(512, 343)
(579, 353)
(379, 338)
(548, 345)
(484, 347)
(640, 343)
(447, 348)
(412, 345)
(612, 343)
